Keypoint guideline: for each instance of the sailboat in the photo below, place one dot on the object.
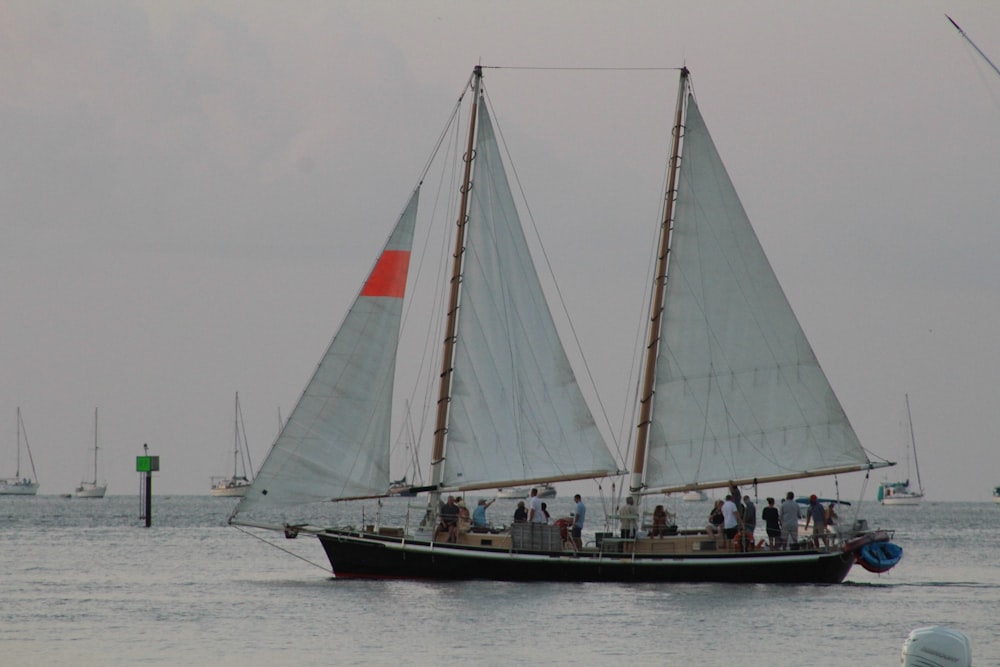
(87, 488)
(732, 394)
(237, 484)
(901, 493)
(18, 485)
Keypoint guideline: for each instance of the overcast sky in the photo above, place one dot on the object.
(191, 193)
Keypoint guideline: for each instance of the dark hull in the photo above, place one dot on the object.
(355, 556)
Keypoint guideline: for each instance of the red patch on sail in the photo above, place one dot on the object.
(388, 278)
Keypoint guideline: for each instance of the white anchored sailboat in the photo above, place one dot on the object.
(19, 485)
(732, 393)
(91, 488)
(237, 484)
(900, 492)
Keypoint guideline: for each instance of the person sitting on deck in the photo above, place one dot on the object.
(715, 520)
(449, 520)
(479, 522)
(464, 519)
(660, 518)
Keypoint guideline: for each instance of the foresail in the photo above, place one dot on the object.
(739, 393)
(335, 443)
(517, 412)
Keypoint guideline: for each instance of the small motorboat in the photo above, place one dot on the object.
(936, 646)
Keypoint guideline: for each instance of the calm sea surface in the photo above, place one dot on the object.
(84, 582)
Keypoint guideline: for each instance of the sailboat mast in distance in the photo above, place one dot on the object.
(913, 444)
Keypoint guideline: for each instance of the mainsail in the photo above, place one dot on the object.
(739, 394)
(517, 413)
(335, 444)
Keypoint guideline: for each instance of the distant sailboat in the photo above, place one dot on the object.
(237, 484)
(513, 493)
(18, 485)
(901, 493)
(91, 489)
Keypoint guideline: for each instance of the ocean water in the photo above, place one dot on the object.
(84, 582)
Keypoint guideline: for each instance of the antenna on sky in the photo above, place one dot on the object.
(969, 40)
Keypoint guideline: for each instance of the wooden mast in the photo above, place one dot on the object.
(656, 305)
(447, 357)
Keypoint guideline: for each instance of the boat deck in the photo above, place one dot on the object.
(528, 537)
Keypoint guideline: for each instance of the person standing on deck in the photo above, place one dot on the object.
(772, 521)
(578, 516)
(629, 517)
(535, 512)
(789, 521)
(730, 518)
(749, 518)
(817, 515)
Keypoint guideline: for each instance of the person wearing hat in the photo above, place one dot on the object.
(479, 521)
(817, 515)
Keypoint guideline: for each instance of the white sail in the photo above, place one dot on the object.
(739, 394)
(517, 413)
(335, 443)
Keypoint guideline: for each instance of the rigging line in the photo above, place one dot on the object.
(969, 39)
(428, 357)
(280, 548)
(447, 127)
(979, 71)
(548, 265)
(584, 69)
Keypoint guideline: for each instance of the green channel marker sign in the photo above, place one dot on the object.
(147, 463)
